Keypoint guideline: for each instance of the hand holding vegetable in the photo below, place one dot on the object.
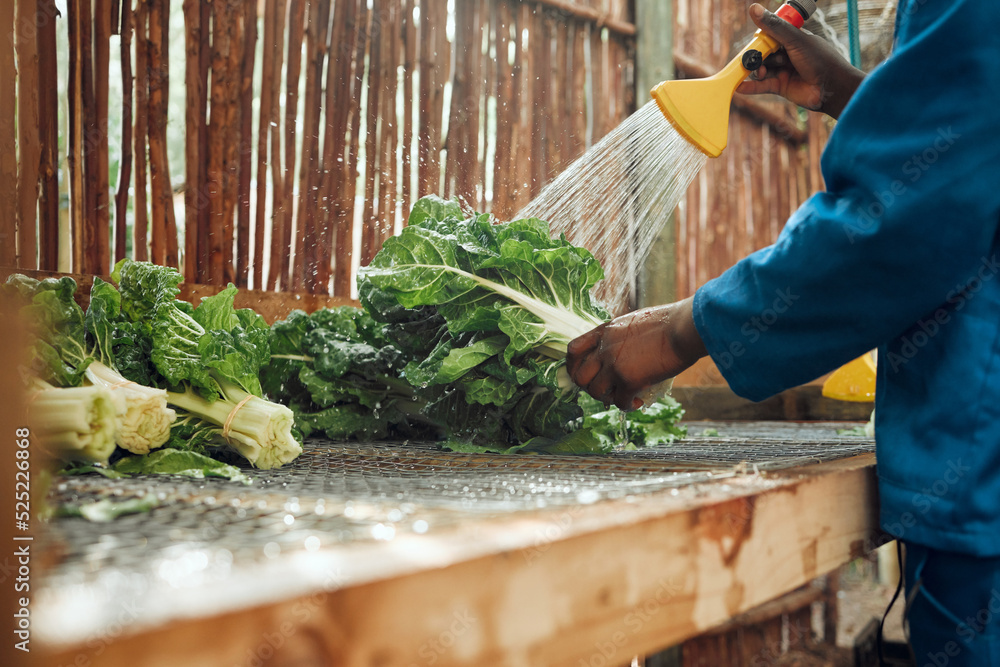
(806, 70)
(620, 358)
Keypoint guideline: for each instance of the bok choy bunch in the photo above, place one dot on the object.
(209, 359)
(73, 349)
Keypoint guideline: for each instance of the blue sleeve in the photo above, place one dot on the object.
(910, 212)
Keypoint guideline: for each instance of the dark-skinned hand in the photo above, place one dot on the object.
(806, 70)
(619, 359)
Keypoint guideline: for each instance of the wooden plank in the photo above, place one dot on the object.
(194, 114)
(375, 51)
(306, 273)
(487, 13)
(233, 127)
(538, 41)
(102, 74)
(388, 133)
(461, 167)
(425, 92)
(557, 587)
(8, 137)
(230, 58)
(435, 51)
(504, 91)
(90, 230)
(222, 20)
(48, 135)
(409, 36)
(267, 86)
(558, 131)
(578, 100)
(204, 223)
(158, 230)
(283, 245)
(140, 241)
(125, 163)
(243, 236)
(338, 211)
(164, 246)
(25, 37)
(346, 210)
(521, 155)
(88, 126)
(277, 256)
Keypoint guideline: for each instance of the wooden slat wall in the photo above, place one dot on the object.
(740, 200)
(363, 107)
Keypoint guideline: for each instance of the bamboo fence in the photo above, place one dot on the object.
(310, 126)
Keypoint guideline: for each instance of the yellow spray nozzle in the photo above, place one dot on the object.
(699, 108)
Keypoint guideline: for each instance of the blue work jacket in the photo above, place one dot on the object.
(900, 253)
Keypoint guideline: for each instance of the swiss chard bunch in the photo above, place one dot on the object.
(80, 350)
(209, 358)
(507, 299)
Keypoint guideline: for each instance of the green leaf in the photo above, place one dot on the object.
(461, 360)
(433, 208)
(216, 313)
(83, 469)
(101, 320)
(177, 462)
(145, 287)
(103, 511)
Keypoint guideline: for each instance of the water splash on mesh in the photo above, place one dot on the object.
(616, 197)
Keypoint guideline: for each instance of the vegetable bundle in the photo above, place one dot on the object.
(122, 372)
(463, 336)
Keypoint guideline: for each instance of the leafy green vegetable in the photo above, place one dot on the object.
(177, 462)
(72, 347)
(463, 338)
(209, 358)
(105, 510)
(653, 425)
(74, 423)
(83, 469)
(514, 278)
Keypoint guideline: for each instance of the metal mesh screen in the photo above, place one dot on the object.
(339, 493)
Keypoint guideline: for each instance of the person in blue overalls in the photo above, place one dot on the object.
(899, 253)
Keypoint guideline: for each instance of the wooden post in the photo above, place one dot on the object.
(26, 44)
(164, 224)
(8, 138)
(89, 140)
(246, 146)
(657, 280)
(194, 105)
(277, 256)
(101, 251)
(48, 136)
(139, 208)
(125, 166)
(304, 272)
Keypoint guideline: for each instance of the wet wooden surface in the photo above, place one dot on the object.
(565, 586)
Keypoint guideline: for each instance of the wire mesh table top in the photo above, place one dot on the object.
(336, 494)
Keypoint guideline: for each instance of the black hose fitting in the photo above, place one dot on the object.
(752, 59)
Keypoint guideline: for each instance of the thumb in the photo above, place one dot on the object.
(774, 26)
